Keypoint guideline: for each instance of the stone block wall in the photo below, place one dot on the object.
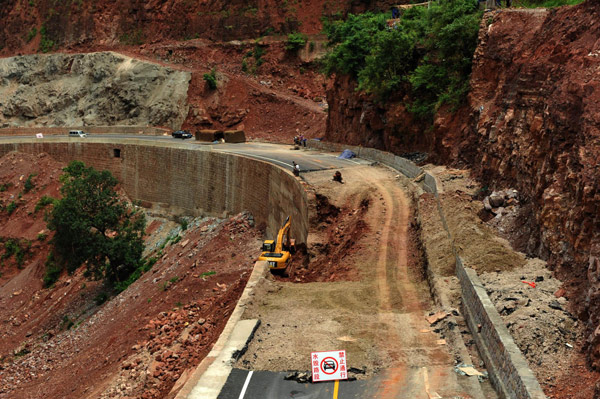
(177, 179)
(512, 376)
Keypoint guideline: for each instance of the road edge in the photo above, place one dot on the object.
(207, 380)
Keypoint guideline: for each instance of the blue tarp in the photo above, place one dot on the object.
(347, 154)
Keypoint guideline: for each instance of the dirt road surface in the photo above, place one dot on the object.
(375, 309)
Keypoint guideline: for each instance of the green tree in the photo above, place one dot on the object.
(352, 41)
(295, 41)
(391, 59)
(428, 53)
(449, 38)
(93, 226)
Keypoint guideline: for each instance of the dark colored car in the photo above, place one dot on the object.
(182, 134)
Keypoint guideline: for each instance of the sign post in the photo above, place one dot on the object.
(329, 366)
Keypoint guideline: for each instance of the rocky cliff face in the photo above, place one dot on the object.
(108, 22)
(532, 122)
(90, 90)
(357, 119)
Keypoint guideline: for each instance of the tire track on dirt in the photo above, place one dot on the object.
(422, 365)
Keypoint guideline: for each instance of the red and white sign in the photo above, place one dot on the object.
(39, 135)
(328, 366)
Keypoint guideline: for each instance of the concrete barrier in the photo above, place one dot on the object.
(235, 136)
(230, 136)
(209, 135)
(509, 371)
(174, 178)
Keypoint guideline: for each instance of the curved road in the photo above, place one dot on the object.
(425, 369)
(278, 154)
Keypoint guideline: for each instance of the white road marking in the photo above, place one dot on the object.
(258, 156)
(276, 161)
(246, 384)
(430, 395)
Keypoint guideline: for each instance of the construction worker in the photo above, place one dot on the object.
(337, 176)
(296, 169)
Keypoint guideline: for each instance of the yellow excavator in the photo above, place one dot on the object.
(278, 254)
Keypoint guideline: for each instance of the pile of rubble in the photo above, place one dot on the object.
(532, 304)
(178, 340)
(501, 202)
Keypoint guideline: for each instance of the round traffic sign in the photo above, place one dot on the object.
(329, 365)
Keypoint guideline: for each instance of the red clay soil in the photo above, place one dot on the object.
(576, 382)
(76, 24)
(339, 231)
(283, 97)
(57, 342)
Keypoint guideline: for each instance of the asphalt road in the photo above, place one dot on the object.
(283, 156)
(243, 384)
(278, 154)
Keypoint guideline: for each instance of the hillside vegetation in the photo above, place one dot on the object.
(428, 53)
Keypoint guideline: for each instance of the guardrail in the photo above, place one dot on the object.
(509, 371)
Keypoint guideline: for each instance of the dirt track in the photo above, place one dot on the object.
(379, 318)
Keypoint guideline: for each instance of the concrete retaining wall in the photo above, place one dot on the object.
(174, 179)
(509, 371)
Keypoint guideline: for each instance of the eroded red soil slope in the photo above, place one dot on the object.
(71, 24)
(59, 342)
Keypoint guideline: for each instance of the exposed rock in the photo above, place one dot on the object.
(486, 204)
(533, 123)
(496, 199)
(96, 89)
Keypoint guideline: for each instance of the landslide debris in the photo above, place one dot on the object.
(531, 123)
(538, 317)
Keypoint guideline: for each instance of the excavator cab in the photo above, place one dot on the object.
(268, 246)
(278, 253)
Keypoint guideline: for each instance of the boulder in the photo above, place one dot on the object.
(496, 199)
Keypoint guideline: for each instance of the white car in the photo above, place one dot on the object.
(77, 133)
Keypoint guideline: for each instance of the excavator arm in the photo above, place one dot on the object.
(284, 234)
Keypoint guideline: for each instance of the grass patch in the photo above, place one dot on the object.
(133, 38)
(295, 41)
(66, 323)
(11, 207)
(211, 79)
(143, 268)
(43, 202)
(22, 352)
(53, 271)
(253, 59)
(31, 34)
(29, 185)
(46, 44)
(101, 298)
(17, 248)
